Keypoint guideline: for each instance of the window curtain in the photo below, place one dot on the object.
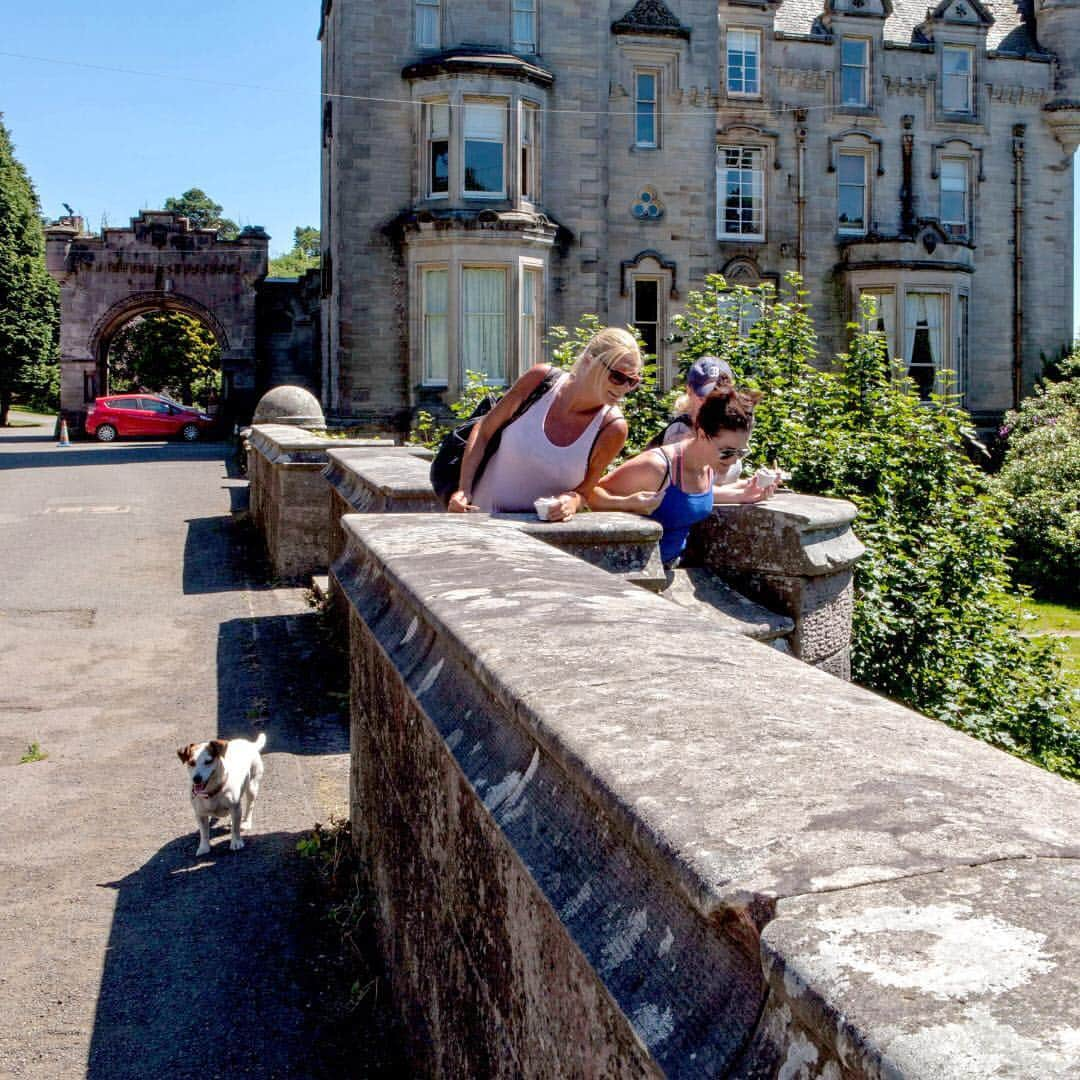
(483, 343)
(923, 316)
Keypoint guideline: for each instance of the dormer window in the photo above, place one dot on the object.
(855, 72)
(956, 79)
(523, 26)
(743, 63)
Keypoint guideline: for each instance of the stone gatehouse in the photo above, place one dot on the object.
(493, 167)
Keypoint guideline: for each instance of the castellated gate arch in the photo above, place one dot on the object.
(160, 263)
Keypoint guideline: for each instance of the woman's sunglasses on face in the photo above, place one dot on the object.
(726, 453)
(620, 378)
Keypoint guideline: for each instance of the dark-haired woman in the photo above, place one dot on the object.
(673, 484)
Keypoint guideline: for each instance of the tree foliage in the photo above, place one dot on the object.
(304, 256)
(934, 624)
(203, 212)
(166, 352)
(1040, 479)
(29, 298)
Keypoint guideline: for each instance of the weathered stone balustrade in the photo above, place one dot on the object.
(365, 482)
(794, 554)
(608, 837)
(288, 495)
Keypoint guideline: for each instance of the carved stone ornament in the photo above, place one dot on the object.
(648, 206)
(650, 17)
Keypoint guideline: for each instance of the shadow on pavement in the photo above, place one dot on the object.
(221, 554)
(208, 969)
(299, 696)
(135, 453)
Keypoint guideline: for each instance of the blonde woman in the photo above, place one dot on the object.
(561, 445)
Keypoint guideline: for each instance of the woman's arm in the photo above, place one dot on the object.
(636, 486)
(503, 412)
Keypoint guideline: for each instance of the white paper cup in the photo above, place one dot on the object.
(543, 507)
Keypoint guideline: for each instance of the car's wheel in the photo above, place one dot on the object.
(106, 433)
(190, 433)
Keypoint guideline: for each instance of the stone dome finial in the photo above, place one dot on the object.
(289, 405)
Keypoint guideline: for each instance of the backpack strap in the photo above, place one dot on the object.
(667, 469)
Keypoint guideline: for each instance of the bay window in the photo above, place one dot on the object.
(427, 24)
(523, 26)
(532, 279)
(484, 137)
(924, 338)
(740, 190)
(529, 135)
(438, 149)
(434, 291)
(483, 335)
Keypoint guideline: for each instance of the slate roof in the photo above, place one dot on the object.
(1009, 33)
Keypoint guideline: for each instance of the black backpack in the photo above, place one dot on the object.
(446, 466)
(658, 440)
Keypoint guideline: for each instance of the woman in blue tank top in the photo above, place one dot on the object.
(673, 484)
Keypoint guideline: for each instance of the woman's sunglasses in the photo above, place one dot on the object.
(726, 453)
(620, 378)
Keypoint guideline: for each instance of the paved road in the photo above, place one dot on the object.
(133, 620)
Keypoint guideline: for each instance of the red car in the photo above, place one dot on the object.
(144, 414)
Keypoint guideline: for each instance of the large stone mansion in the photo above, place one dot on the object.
(494, 167)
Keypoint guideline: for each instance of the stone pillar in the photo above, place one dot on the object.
(795, 555)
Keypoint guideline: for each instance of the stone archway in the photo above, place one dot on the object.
(159, 263)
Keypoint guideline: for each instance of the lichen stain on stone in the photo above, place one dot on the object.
(620, 946)
(411, 632)
(666, 942)
(653, 1025)
(576, 903)
(979, 1045)
(940, 950)
(429, 678)
(512, 786)
(799, 1061)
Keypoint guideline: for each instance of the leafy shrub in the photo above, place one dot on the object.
(1040, 479)
(934, 625)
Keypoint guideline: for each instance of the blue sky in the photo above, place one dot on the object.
(228, 101)
(126, 105)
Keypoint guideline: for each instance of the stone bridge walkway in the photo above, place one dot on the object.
(133, 620)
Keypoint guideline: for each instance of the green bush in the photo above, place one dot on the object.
(1040, 480)
(934, 624)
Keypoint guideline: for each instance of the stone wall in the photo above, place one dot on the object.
(595, 853)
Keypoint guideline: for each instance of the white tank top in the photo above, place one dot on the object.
(528, 464)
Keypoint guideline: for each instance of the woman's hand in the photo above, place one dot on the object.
(459, 504)
(752, 493)
(568, 504)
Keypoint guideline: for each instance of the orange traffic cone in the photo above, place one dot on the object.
(64, 440)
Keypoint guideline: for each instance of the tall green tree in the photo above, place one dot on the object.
(305, 254)
(203, 212)
(29, 298)
(166, 352)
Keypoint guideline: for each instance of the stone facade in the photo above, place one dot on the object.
(494, 167)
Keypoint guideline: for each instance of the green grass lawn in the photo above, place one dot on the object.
(1056, 620)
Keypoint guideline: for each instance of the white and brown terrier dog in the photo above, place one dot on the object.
(225, 775)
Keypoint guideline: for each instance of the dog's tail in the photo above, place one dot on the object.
(260, 742)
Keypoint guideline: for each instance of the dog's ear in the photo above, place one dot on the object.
(184, 753)
(217, 747)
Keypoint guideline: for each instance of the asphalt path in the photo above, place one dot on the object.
(134, 619)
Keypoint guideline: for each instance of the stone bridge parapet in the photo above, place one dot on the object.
(595, 854)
